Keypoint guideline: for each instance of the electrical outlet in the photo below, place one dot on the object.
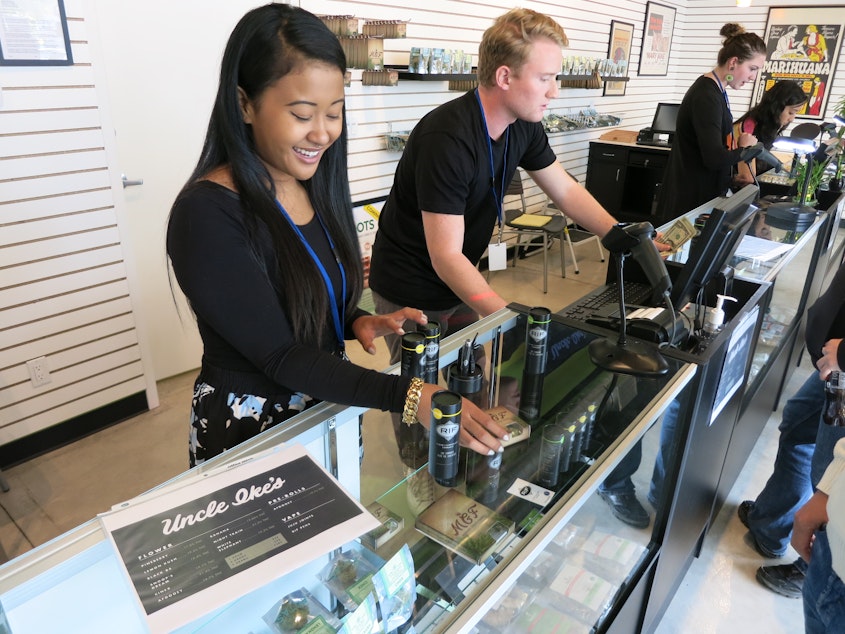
(39, 371)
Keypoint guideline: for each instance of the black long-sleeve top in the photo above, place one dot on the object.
(826, 319)
(240, 314)
(700, 163)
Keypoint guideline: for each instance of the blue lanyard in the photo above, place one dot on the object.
(499, 200)
(338, 311)
(727, 103)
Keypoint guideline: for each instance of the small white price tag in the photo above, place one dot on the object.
(497, 256)
(531, 492)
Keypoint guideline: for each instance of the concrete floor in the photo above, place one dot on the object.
(55, 492)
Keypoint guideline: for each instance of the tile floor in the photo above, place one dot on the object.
(53, 493)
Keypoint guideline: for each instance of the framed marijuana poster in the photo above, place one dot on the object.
(802, 45)
(619, 52)
(657, 39)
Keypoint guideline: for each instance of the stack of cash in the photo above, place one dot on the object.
(678, 234)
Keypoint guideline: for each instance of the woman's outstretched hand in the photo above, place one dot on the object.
(369, 327)
(478, 431)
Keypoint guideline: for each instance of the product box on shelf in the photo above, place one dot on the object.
(464, 525)
(391, 525)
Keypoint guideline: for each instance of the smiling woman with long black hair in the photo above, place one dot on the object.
(262, 242)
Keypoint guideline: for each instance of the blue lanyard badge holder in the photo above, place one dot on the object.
(497, 252)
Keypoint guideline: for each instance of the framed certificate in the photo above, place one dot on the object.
(34, 33)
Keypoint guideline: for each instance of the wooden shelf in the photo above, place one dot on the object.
(586, 77)
(404, 73)
(407, 75)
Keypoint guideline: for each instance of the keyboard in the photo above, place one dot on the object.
(604, 301)
(654, 143)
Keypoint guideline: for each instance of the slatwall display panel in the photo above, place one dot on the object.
(69, 365)
(63, 287)
(374, 111)
(71, 338)
(96, 389)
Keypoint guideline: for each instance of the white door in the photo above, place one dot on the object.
(162, 60)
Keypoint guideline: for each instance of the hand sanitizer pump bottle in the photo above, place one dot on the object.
(715, 317)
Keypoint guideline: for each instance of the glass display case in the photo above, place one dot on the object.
(522, 536)
(773, 247)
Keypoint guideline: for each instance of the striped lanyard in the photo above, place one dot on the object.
(496, 197)
(338, 308)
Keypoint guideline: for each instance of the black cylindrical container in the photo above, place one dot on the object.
(413, 355)
(586, 432)
(576, 432)
(578, 427)
(483, 477)
(536, 351)
(467, 383)
(551, 447)
(444, 438)
(567, 449)
(431, 332)
(413, 439)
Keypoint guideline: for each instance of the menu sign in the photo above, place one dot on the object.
(200, 546)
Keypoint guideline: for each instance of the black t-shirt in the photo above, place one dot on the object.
(700, 163)
(445, 169)
(240, 313)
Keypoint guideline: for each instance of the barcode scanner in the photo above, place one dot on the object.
(637, 239)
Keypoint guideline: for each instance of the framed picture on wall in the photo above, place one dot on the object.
(802, 45)
(34, 33)
(657, 39)
(619, 52)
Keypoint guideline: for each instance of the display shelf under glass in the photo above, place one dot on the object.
(62, 585)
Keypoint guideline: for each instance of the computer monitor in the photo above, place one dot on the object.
(729, 220)
(665, 119)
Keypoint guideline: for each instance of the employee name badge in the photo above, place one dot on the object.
(497, 254)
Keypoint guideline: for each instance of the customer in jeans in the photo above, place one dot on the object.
(819, 537)
(769, 518)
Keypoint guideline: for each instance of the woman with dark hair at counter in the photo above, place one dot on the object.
(778, 108)
(262, 242)
(701, 161)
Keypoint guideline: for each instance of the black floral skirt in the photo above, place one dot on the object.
(223, 416)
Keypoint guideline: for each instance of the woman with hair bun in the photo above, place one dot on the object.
(701, 160)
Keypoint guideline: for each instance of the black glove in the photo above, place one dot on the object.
(618, 240)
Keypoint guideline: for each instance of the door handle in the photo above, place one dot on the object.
(130, 183)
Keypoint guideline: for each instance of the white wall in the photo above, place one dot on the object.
(66, 292)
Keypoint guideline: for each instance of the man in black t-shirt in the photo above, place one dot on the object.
(449, 184)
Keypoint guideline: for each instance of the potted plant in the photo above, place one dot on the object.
(819, 174)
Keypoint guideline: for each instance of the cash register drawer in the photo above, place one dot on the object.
(656, 160)
(605, 153)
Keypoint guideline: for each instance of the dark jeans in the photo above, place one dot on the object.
(791, 483)
(824, 592)
(619, 480)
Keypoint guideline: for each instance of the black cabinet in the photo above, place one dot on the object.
(625, 178)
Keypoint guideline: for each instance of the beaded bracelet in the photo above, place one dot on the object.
(412, 401)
